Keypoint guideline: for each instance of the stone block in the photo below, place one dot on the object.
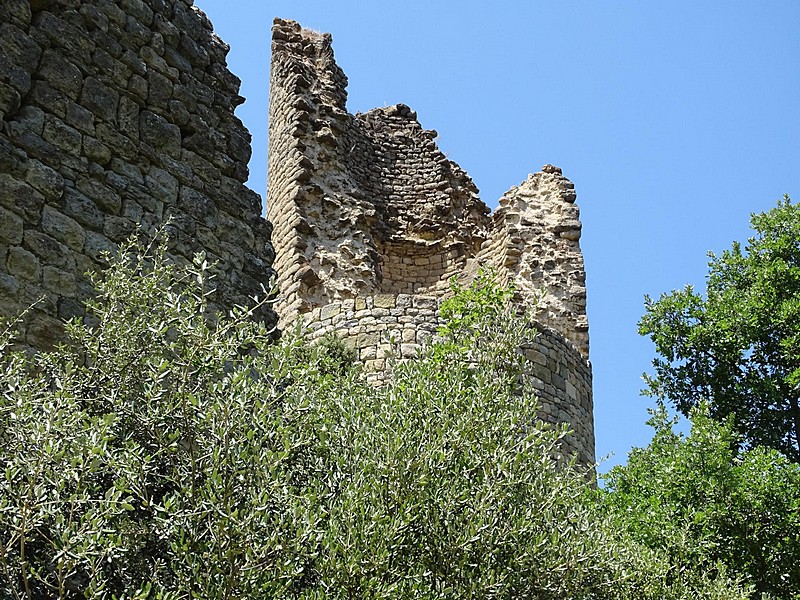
(371, 338)
(100, 99)
(118, 229)
(63, 228)
(159, 89)
(198, 206)
(83, 210)
(80, 118)
(162, 185)
(60, 73)
(384, 301)
(96, 151)
(36, 147)
(60, 282)
(128, 118)
(21, 198)
(44, 331)
(534, 355)
(9, 289)
(160, 133)
(426, 303)
(104, 196)
(20, 49)
(48, 249)
(22, 264)
(329, 311)
(138, 87)
(542, 373)
(10, 99)
(409, 350)
(123, 147)
(385, 351)
(558, 381)
(97, 245)
(11, 227)
(67, 139)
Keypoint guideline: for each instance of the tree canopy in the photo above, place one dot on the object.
(739, 346)
(706, 505)
(167, 455)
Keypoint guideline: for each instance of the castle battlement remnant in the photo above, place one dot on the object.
(372, 220)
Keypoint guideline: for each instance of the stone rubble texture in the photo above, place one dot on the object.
(118, 114)
(372, 220)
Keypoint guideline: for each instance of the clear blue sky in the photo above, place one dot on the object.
(675, 120)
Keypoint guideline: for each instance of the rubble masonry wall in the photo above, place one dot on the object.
(372, 220)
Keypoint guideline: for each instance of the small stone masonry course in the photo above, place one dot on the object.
(372, 220)
(118, 114)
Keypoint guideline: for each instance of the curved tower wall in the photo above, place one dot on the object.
(391, 327)
(372, 220)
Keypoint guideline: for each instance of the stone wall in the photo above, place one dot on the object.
(362, 203)
(535, 239)
(379, 327)
(113, 115)
(386, 328)
(372, 220)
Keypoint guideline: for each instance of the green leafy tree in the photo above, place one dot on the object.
(170, 453)
(706, 506)
(739, 347)
(162, 454)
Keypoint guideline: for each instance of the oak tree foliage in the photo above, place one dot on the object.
(738, 346)
(705, 504)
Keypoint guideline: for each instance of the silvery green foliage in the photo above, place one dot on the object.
(170, 452)
(159, 453)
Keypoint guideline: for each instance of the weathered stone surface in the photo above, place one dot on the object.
(10, 227)
(22, 264)
(93, 98)
(537, 229)
(48, 249)
(60, 73)
(63, 228)
(61, 282)
(97, 246)
(159, 132)
(100, 99)
(368, 211)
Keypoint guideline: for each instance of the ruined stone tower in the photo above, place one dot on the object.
(371, 221)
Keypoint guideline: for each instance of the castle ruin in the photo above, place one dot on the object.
(120, 113)
(372, 220)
